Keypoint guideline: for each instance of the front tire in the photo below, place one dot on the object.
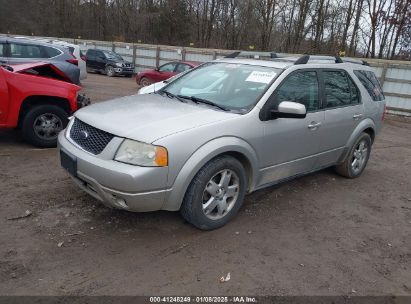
(215, 194)
(110, 71)
(145, 82)
(42, 124)
(357, 159)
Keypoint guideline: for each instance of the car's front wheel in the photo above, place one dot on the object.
(215, 194)
(110, 71)
(145, 81)
(42, 124)
(357, 158)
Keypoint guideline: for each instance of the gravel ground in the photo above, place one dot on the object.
(317, 235)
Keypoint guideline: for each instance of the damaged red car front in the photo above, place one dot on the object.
(37, 98)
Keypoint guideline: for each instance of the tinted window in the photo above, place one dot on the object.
(337, 89)
(371, 83)
(301, 87)
(169, 67)
(181, 67)
(91, 53)
(355, 95)
(51, 52)
(2, 50)
(27, 51)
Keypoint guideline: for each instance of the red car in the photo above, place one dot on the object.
(164, 72)
(37, 98)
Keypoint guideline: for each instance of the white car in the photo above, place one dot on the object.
(154, 87)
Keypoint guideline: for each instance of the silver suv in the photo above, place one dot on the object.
(227, 128)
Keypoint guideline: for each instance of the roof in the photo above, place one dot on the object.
(31, 41)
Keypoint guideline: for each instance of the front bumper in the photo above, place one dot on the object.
(82, 101)
(115, 184)
(124, 71)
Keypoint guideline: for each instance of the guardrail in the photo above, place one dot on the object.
(395, 76)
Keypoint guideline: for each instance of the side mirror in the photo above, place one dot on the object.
(289, 109)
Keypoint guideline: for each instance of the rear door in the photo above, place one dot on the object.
(90, 57)
(100, 61)
(343, 112)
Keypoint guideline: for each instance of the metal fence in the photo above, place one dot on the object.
(395, 76)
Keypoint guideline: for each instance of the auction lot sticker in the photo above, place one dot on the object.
(261, 77)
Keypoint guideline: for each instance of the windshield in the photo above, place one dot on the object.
(112, 55)
(231, 86)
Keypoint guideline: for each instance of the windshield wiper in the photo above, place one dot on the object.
(204, 101)
(171, 95)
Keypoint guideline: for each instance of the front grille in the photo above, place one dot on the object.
(89, 138)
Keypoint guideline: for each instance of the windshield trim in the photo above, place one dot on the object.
(241, 111)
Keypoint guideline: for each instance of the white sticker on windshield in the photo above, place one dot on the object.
(261, 77)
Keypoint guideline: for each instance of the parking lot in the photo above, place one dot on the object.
(317, 235)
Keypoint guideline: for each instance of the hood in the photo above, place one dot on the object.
(41, 69)
(149, 117)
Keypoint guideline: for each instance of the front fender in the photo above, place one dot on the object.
(203, 155)
(361, 127)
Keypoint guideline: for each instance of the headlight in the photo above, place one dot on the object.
(119, 64)
(141, 154)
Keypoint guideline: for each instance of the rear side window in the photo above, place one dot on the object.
(2, 51)
(371, 84)
(50, 52)
(301, 87)
(339, 89)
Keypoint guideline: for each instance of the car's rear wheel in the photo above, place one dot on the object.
(215, 194)
(145, 81)
(357, 159)
(42, 124)
(110, 71)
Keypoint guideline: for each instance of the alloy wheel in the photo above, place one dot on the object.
(220, 194)
(47, 126)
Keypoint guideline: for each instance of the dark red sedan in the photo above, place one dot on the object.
(164, 72)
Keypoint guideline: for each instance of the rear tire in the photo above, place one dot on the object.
(357, 159)
(215, 194)
(42, 124)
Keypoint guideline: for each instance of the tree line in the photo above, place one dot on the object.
(370, 28)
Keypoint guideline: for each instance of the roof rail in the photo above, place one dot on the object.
(251, 54)
(305, 58)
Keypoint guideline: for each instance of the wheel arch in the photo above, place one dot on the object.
(37, 100)
(231, 146)
(365, 126)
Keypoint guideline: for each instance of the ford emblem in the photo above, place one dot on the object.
(83, 134)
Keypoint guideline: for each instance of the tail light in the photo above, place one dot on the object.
(73, 61)
(383, 113)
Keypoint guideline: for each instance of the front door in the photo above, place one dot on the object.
(4, 99)
(290, 145)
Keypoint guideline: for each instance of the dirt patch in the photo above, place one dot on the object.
(317, 235)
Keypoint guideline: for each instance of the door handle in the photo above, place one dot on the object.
(314, 125)
(357, 116)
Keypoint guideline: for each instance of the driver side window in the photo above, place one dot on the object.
(301, 87)
(169, 67)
